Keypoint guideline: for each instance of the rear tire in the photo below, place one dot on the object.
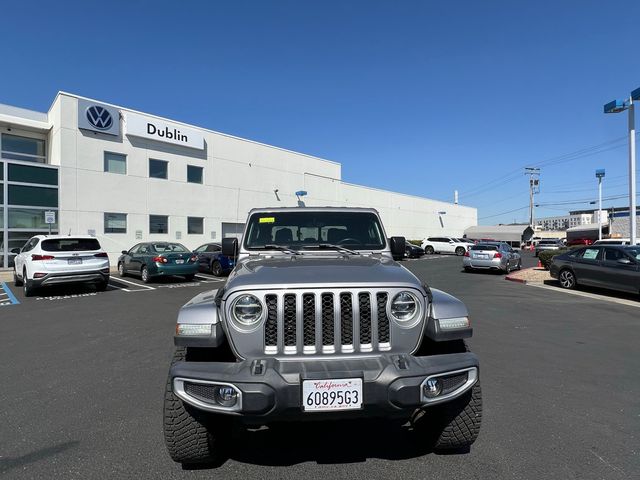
(16, 280)
(102, 286)
(27, 285)
(429, 250)
(189, 433)
(468, 269)
(460, 251)
(216, 268)
(454, 425)
(144, 275)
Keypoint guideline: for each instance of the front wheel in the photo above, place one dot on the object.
(567, 279)
(429, 250)
(454, 425)
(191, 436)
(460, 251)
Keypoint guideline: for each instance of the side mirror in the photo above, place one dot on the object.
(397, 245)
(625, 261)
(15, 250)
(124, 252)
(230, 247)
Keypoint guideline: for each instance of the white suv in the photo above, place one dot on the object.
(445, 245)
(56, 259)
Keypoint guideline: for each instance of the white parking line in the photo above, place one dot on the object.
(594, 296)
(119, 279)
(208, 279)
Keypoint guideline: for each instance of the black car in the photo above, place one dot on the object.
(413, 251)
(612, 266)
(211, 259)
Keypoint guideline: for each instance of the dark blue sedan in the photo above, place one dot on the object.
(211, 259)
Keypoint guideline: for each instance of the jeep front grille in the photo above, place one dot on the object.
(326, 322)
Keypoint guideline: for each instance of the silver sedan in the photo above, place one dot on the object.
(491, 256)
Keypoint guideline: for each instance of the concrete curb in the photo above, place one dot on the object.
(515, 279)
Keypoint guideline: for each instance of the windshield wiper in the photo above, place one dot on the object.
(282, 249)
(337, 247)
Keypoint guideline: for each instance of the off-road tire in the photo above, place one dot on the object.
(216, 268)
(454, 425)
(187, 431)
(460, 251)
(429, 250)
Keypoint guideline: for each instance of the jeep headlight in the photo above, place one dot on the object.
(405, 307)
(246, 310)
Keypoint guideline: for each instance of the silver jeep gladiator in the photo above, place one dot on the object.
(317, 321)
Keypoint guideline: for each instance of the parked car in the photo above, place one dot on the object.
(613, 241)
(158, 259)
(55, 259)
(413, 251)
(548, 244)
(579, 241)
(615, 267)
(445, 245)
(211, 259)
(318, 322)
(492, 256)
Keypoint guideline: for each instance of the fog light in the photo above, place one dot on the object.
(432, 388)
(226, 396)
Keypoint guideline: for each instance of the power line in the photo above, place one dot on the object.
(504, 213)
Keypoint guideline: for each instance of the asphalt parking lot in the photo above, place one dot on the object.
(83, 377)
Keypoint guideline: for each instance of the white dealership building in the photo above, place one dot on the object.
(126, 177)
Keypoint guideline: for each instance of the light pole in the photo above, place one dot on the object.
(600, 176)
(617, 106)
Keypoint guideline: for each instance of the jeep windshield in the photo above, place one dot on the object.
(314, 230)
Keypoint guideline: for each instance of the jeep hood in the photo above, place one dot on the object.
(315, 271)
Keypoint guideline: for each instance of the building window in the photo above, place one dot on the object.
(194, 174)
(23, 148)
(28, 218)
(115, 222)
(28, 174)
(158, 168)
(195, 225)
(115, 163)
(158, 224)
(33, 196)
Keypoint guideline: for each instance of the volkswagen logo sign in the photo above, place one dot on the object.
(99, 117)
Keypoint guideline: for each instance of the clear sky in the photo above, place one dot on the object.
(421, 97)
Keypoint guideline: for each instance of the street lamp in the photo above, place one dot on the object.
(600, 176)
(618, 106)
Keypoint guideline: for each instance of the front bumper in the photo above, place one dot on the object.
(271, 389)
(93, 276)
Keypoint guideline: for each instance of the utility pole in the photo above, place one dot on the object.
(534, 188)
(600, 176)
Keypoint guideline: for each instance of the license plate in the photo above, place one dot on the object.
(74, 261)
(179, 261)
(332, 395)
(482, 256)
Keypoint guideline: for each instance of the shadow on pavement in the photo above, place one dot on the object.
(9, 463)
(597, 291)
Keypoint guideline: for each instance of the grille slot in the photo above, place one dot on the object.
(383, 320)
(309, 319)
(364, 306)
(271, 324)
(205, 393)
(290, 320)
(346, 319)
(327, 319)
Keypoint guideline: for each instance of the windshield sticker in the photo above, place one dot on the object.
(267, 220)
